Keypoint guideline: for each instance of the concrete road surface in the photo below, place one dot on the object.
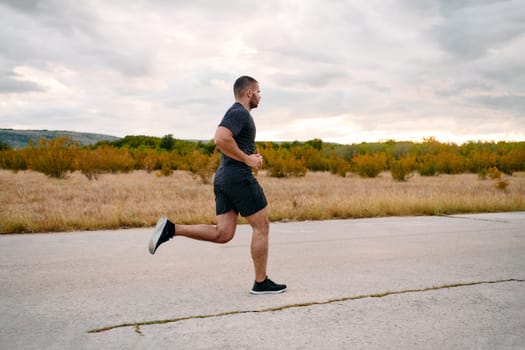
(454, 282)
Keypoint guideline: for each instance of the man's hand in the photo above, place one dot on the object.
(225, 142)
(254, 161)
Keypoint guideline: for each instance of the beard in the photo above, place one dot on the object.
(253, 102)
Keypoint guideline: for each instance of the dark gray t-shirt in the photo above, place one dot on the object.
(239, 121)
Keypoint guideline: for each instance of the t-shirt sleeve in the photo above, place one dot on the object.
(234, 122)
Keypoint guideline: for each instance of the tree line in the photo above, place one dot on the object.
(57, 157)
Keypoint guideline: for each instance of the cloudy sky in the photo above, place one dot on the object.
(342, 71)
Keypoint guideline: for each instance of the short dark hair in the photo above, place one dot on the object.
(241, 84)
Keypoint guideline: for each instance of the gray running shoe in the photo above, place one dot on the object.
(164, 231)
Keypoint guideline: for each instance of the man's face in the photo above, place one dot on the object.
(255, 96)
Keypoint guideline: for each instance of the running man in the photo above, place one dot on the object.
(237, 191)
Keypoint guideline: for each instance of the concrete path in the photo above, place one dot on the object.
(390, 283)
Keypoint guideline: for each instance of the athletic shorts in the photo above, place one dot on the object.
(245, 198)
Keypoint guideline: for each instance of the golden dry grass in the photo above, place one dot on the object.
(32, 202)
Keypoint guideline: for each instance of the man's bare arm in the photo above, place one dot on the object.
(225, 142)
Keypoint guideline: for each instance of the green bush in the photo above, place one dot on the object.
(4, 146)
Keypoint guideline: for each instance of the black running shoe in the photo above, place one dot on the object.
(164, 231)
(268, 287)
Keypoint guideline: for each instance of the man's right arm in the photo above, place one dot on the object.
(226, 143)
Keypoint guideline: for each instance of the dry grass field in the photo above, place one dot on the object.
(32, 202)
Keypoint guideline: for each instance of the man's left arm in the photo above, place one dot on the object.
(226, 143)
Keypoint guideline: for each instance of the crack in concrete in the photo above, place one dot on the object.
(137, 325)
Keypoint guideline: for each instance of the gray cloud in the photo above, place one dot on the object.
(10, 83)
(473, 29)
(75, 35)
(316, 79)
(23, 5)
(512, 103)
(509, 74)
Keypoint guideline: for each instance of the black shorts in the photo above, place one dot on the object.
(246, 197)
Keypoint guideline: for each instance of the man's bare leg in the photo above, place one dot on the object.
(221, 233)
(259, 247)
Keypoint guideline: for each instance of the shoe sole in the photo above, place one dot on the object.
(268, 292)
(156, 235)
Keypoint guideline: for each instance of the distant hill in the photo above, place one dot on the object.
(20, 138)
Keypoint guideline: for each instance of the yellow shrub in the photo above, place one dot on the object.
(402, 168)
(53, 157)
(494, 173)
(367, 165)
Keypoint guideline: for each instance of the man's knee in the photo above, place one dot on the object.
(260, 222)
(264, 227)
(224, 236)
(226, 225)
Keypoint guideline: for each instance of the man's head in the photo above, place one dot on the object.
(246, 91)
